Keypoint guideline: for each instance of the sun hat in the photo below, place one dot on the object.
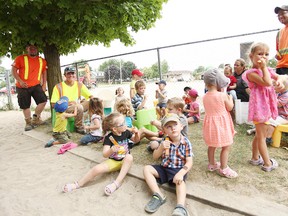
(137, 72)
(69, 69)
(215, 77)
(161, 82)
(62, 104)
(170, 117)
(193, 93)
(283, 7)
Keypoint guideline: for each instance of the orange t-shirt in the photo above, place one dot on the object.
(282, 47)
(34, 72)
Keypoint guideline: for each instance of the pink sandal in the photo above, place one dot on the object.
(109, 189)
(70, 187)
(227, 172)
(214, 167)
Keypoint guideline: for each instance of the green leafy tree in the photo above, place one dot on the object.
(60, 27)
(155, 71)
(272, 63)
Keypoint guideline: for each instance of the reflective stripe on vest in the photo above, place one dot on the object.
(60, 89)
(26, 66)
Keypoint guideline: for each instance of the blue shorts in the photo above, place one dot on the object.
(166, 175)
(196, 120)
(162, 105)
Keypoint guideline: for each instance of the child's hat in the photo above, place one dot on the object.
(283, 7)
(216, 78)
(193, 93)
(170, 117)
(161, 82)
(137, 72)
(62, 104)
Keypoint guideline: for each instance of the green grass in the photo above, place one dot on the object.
(252, 181)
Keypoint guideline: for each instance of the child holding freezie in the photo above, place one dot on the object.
(262, 103)
(116, 149)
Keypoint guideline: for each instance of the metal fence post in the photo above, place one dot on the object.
(8, 87)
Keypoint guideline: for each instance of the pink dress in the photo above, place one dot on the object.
(263, 99)
(218, 127)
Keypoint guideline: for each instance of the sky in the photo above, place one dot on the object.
(186, 21)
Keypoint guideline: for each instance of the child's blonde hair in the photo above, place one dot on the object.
(109, 122)
(96, 107)
(176, 102)
(124, 107)
(256, 46)
(139, 84)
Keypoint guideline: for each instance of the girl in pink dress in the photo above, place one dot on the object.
(218, 128)
(262, 103)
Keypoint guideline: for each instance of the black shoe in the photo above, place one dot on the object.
(269, 141)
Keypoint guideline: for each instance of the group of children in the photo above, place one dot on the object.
(174, 148)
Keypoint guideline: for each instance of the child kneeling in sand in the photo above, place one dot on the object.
(60, 133)
(176, 153)
(115, 148)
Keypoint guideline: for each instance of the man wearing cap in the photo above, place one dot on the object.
(29, 70)
(136, 75)
(73, 90)
(282, 41)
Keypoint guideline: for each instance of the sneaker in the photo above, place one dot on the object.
(269, 141)
(160, 134)
(251, 131)
(154, 204)
(49, 143)
(180, 210)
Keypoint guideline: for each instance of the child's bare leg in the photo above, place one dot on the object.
(150, 135)
(150, 175)
(158, 110)
(261, 130)
(92, 173)
(270, 131)
(127, 163)
(190, 120)
(255, 151)
(154, 144)
(157, 124)
(163, 112)
(211, 155)
(181, 193)
(224, 156)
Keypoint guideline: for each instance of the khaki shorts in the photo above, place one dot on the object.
(62, 137)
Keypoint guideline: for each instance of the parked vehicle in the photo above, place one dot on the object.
(5, 91)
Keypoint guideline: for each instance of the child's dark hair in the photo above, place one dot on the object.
(124, 107)
(96, 107)
(109, 122)
(187, 88)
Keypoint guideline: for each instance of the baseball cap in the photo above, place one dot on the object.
(170, 117)
(69, 69)
(161, 82)
(283, 7)
(137, 72)
(62, 104)
(193, 93)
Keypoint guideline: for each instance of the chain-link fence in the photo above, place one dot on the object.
(201, 55)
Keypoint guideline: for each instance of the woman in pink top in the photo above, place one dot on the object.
(218, 128)
(262, 103)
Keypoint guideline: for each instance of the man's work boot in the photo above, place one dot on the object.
(28, 125)
(36, 121)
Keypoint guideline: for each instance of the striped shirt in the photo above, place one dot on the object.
(136, 101)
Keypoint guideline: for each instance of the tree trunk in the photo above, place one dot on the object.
(54, 75)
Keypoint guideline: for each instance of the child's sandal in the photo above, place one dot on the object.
(70, 187)
(110, 188)
(228, 172)
(214, 167)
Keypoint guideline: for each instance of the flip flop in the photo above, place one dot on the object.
(66, 147)
(109, 189)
